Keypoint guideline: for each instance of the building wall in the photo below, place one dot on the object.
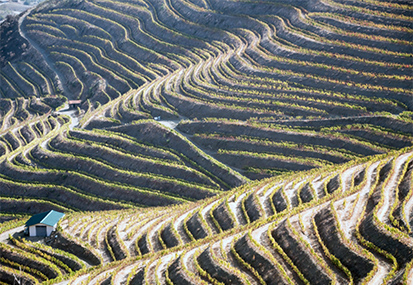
(49, 230)
(32, 230)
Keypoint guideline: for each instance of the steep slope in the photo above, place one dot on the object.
(350, 224)
(102, 49)
(242, 90)
(182, 103)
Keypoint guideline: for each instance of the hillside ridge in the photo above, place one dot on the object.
(181, 99)
(352, 223)
(215, 142)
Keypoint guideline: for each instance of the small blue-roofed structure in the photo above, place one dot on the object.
(43, 224)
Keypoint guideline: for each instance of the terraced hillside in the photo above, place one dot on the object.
(347, 225)
(217, 142)
(240, 90)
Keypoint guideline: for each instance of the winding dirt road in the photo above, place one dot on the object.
(41, 51)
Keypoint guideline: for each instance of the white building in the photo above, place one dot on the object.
(43, 224)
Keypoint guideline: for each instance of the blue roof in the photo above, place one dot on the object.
(47, 218)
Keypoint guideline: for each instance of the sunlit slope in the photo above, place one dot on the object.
(350, 224)
(243, 90)
(315, 57)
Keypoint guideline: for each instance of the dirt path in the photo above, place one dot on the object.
(100, 278)
(257, 233)
(389, 189)
(349, 225)
(188, 258)
(205, 211)
(72, 114)
(230, 264)
(6, 124)
(4, 236)
(122, 275)
(346, 178)
(170, 123)
(263, 198)
(163, 267)
(41, 51)
(236, 209)
(179, 226)
(408, 212)
(291, 191)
